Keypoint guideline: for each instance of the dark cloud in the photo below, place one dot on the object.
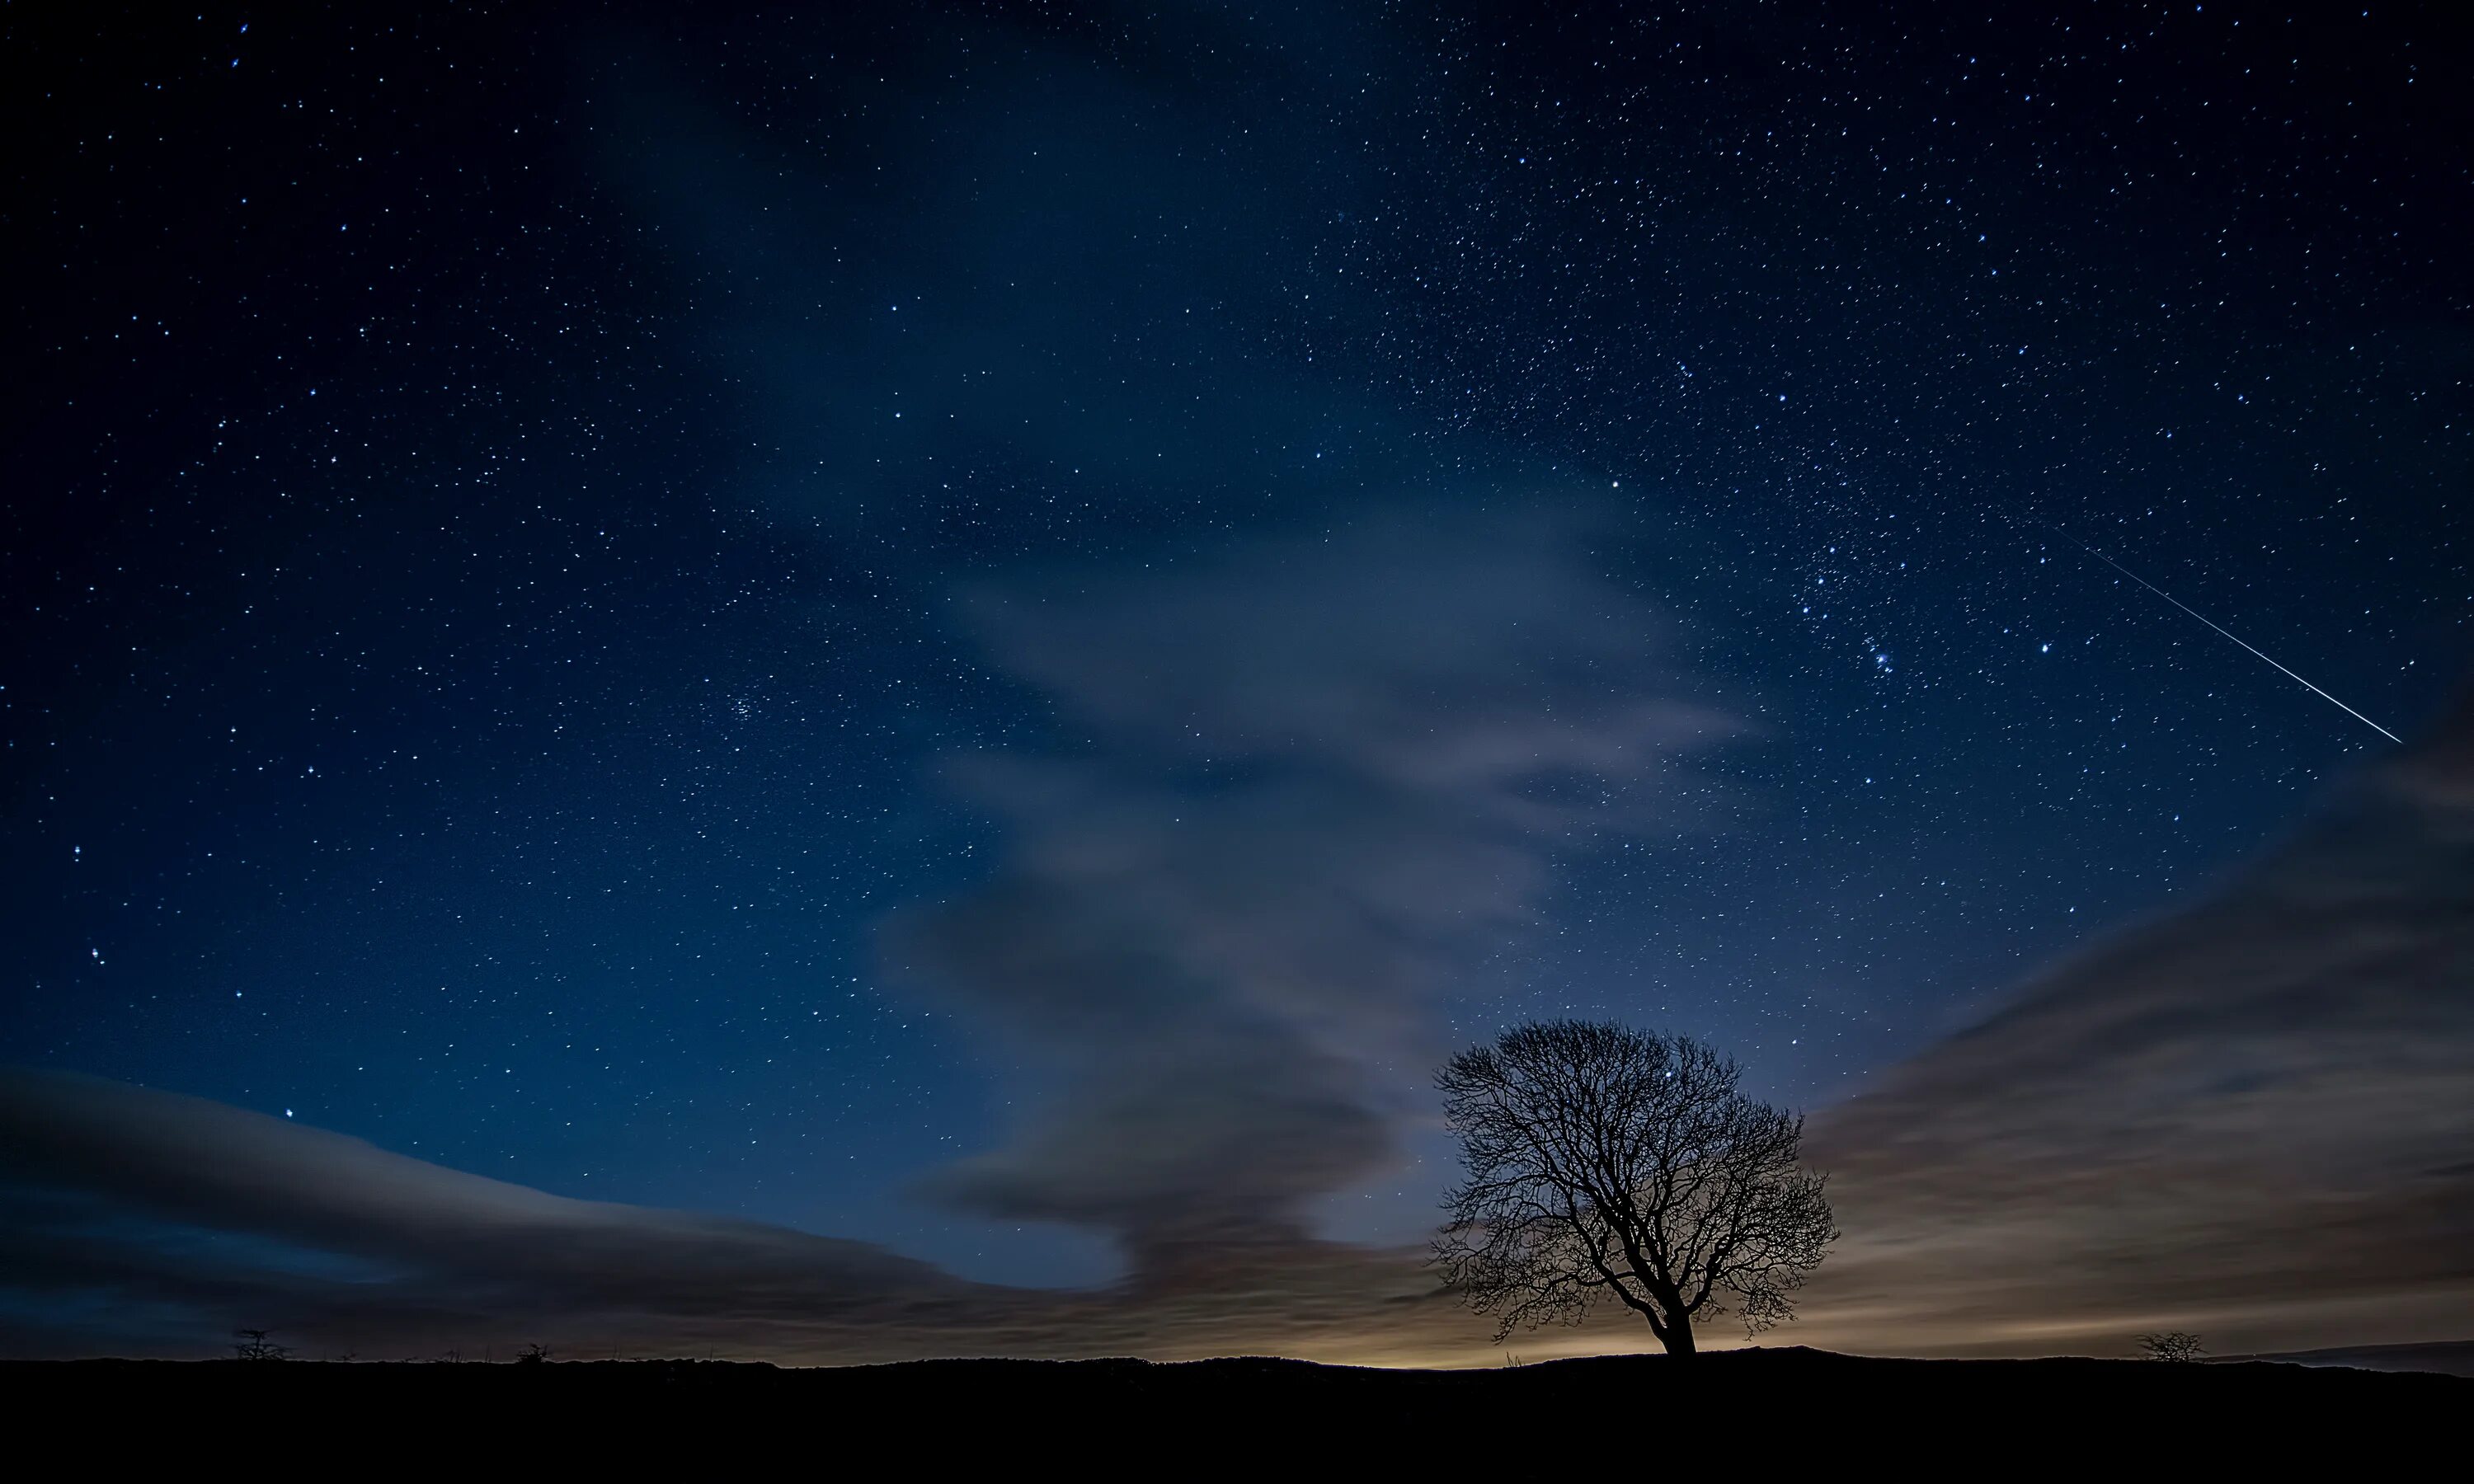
(2246, 1119)
(151, 1223)
(427, 1247)
(1320, 774)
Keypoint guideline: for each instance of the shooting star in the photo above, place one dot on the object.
(2228, 634)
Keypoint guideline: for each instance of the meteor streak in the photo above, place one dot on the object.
(2228, 634)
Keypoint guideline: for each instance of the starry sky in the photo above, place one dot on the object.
(972, 635)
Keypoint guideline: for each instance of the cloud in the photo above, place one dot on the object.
(1322, 774)
(2246, 1119)
(143, 1222)
(128, 1187)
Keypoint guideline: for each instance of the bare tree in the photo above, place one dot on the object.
(1606, 1162)
(2173, 1344)
(254, 1345)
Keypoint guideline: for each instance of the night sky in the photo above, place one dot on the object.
(981, 631)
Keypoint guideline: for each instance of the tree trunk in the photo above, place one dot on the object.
(1677, 1336)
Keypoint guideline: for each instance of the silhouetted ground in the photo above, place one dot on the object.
(1760, 1401)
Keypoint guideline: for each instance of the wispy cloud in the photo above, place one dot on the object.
(143, 1222)
(2247, 1118)
(1314, 778)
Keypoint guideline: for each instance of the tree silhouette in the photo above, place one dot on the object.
(254, 1345)
(1606, 1162)
(2171, 1345)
